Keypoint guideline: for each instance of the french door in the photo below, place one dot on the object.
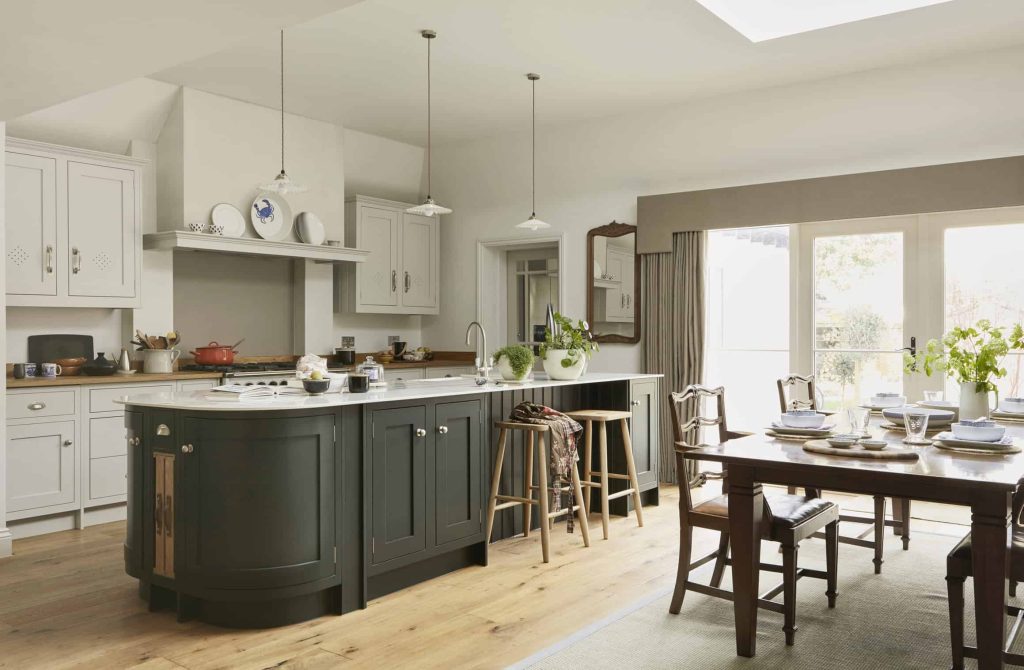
(858, 306)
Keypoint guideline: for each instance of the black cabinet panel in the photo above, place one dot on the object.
(136, 476)
(399, 475)
(645, 429)
(458, 473)
(257, 499)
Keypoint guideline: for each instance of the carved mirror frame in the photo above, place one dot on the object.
(613, 229)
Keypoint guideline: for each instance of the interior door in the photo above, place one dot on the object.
(859, 307)
(101, 231)
(457, 462)
(419, 265)
(399, 477)
(31, 225)
(40, 465)
(378, 274)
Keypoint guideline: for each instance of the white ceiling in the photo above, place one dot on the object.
(56, 50)
(364, 66)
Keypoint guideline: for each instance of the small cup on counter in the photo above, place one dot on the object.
(358, 382)
(22, 370)
(50, 370)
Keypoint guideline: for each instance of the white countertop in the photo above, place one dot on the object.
(415, 390)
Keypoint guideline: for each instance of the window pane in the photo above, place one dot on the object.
(748, 320)
(846, 378)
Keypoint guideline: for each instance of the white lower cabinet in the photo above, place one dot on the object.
(40, 466)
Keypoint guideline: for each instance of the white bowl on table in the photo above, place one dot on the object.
(888, 400)
(1012, 405)
(978, 431)
(802, 418)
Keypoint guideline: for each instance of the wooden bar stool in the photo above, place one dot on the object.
(588, 417)
(536, 435)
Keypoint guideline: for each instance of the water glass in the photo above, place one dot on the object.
(916, 424)
(934, 396)
(859, 418)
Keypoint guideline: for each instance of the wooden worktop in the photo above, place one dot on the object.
(82, 380)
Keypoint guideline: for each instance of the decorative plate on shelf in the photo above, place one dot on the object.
(271, 217)
(309, 228)
(229, 218)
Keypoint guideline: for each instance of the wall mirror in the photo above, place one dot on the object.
(613, 283)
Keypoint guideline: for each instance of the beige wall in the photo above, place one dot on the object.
(589, 173)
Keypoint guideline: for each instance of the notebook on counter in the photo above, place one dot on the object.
(254, 392)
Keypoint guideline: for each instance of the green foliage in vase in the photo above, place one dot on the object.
(971, 355)
(575, 339)
(519, 357)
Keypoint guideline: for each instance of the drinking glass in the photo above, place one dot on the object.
(916, 424)
(859, 418)
(934, 396)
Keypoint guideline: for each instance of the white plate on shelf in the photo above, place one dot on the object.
(271, 216)
(309, 228)
(229, 218)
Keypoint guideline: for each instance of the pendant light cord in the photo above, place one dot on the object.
(429, 40)
(533, 150)
(282, 102)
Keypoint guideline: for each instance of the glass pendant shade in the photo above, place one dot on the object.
(429, 207)
(282, 183)
(533, 223)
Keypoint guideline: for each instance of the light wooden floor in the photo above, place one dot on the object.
(65, 602)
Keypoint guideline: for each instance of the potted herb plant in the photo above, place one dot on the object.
(566, 350)
(514, 362)
(974, 357)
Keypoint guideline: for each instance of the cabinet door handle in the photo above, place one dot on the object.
(49, 259)
(187, 448)
(443, 430)
(406, 282)
(36, 406)
(635, 403)
(158, 515)
(76, 260)
(68, 443)
(420, 432)
(169, 515)
(394, 280)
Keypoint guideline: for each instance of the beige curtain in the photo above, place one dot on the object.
(672, 327)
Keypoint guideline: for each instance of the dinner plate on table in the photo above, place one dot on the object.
(1011, 417)
(901, 428)
(811, 432)
(1006, 445)
(936, 417)
(793, 438)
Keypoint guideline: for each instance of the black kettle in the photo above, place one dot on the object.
(101, 366)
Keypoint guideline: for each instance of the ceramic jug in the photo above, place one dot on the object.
(159, 360)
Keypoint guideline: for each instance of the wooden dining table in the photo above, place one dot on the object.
(985, 483)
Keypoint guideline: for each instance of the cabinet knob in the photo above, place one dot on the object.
(35, 406)
(420, 432)
(187, 448)
(635, 403)
(162, 430)
(68, 443)
(443, 430)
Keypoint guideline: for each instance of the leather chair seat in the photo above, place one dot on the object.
(783, 511)
(959, 560)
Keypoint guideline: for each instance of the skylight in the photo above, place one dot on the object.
(760, 20)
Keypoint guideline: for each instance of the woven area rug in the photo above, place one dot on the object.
(894, 620)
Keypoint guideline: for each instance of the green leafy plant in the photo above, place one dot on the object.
(576, 340)
(972, 355)
(519, 357)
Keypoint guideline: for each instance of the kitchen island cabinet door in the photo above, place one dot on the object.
(136, 472)
(458, 442)
(645, 429)
(398, 462)
(256, 501)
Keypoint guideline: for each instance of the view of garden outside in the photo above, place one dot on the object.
(993, 289)
(858, 316)
(747, 329)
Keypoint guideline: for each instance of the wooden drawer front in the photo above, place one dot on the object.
(102, 399)
(32, 405)
(108, 477)
(107, 437)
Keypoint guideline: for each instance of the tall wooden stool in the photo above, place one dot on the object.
(536, 435)
(601, 417)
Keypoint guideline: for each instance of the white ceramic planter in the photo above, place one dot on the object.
(553, 365)
(973, 403)
(505, 370)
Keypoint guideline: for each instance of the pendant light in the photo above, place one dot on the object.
(282, 183)
(533, 223)
(429, 207)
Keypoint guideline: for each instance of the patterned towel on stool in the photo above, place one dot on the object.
(563, 446)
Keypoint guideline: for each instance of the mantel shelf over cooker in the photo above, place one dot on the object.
(179, 239)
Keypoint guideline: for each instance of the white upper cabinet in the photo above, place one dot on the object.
(101, 231)
(74, 228)
(31, 225)
(402, 274)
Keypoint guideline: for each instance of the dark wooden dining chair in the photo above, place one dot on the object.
(790, 398)
(787, 519)
(959, 567)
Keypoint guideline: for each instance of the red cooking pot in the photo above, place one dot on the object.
(214, 354)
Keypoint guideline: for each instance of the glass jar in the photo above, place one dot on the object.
(372, 369)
